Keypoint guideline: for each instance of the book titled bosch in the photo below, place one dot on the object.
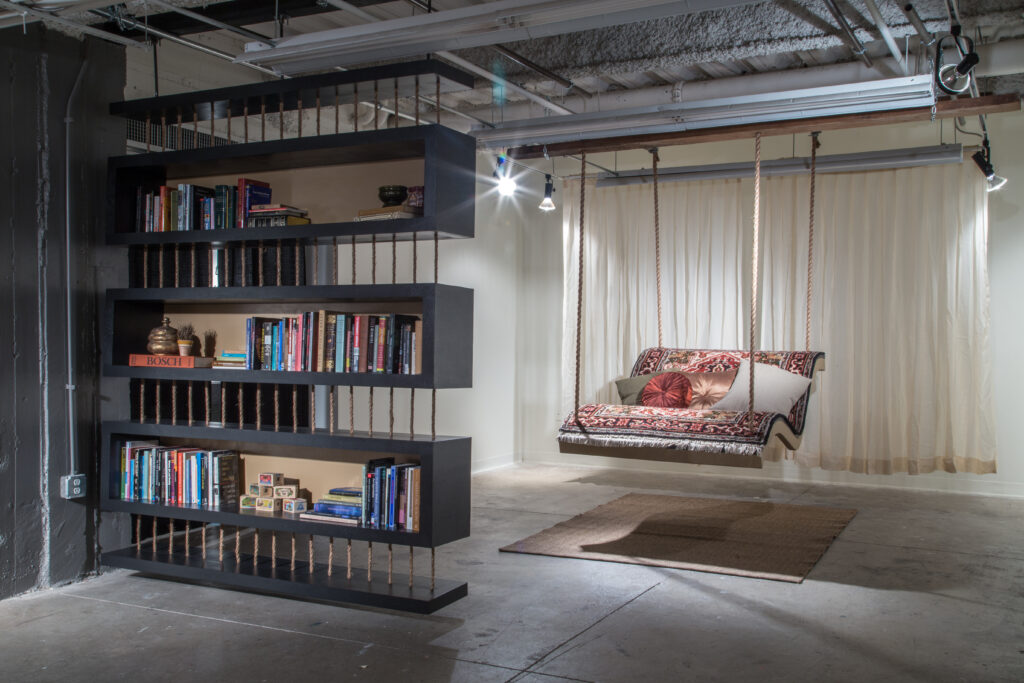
(143, 360)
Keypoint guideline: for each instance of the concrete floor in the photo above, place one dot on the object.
(919, 587)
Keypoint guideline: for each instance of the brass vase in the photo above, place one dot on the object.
(163, 340)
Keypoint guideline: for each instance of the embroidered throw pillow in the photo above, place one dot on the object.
(710, 387)
(775, 390)
(630, 388)
(670, 390)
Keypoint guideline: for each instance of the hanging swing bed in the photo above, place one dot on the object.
(699, 405)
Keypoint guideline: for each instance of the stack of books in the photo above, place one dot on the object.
(230, 359)
(275, 216)
(389, 212)
(340, 506)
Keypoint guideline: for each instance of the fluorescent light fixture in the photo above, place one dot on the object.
(852, 98)
(477, 25)
(835, 163)
(548, 204)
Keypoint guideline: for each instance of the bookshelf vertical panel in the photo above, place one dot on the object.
(448, 481)
(450, 178)
(450, 347)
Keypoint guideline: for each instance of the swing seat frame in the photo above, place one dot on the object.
(696, 436)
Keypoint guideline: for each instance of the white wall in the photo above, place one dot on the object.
(537, 356)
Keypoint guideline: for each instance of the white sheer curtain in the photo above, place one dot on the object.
(705, 252)
(900, 305)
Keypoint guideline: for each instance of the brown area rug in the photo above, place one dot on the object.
(742, 538)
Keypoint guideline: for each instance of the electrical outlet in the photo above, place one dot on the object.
(72, 486)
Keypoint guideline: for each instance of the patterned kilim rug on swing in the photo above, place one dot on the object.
(741, 538)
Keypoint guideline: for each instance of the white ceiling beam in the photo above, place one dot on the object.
(880, 95)
(474, 26)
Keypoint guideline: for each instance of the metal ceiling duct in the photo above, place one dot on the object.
(882, 95)
(480, 25)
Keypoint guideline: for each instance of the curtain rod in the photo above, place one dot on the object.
(835, 163)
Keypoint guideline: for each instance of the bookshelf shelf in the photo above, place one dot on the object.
(277, 577)
(355, 379)
(449, 178)
(308, 171)
(271, 522)
(404, 229)
(400, 444)
(447, 311)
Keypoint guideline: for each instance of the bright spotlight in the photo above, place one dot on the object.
(548, 204)
(506, 186)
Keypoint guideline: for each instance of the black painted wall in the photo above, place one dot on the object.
(45, 540)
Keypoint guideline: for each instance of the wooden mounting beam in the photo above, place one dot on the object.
(989, 104)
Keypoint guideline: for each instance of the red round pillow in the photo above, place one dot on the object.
(671, 390)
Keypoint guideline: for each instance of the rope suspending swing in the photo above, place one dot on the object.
(671, 432)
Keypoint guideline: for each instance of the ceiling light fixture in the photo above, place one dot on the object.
(548, 204)
(503, 173)
(834, 100)
(955, 79)
(983, 158)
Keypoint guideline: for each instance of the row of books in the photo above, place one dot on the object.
(194, 207)
(391, 495)
(178, 476)
(331, 341)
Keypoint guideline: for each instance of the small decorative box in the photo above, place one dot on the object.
(265, 491)
(271, 478)
(254, 489)
(293, 504)
(286, 492)
(268, 504)
(248, 502)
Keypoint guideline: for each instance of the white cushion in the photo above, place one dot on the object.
(775, 390)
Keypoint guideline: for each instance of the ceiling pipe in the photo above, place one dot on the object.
(73, 25)
(480, 71)
(847, 33)
(519, 59)
(159, 33)
(209, 21)
(462, 63)
(910, 12)
(883, 28)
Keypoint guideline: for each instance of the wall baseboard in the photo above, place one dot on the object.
(962, 484)
(495, 462)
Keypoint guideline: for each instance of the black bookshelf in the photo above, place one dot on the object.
(449, 168)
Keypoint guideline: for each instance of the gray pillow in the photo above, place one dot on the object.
(630, 388)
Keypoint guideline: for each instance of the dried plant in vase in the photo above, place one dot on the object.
(210, 343)
(185, 342)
